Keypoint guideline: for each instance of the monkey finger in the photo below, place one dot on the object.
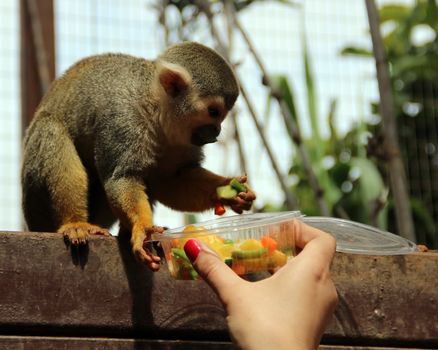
(141, 255)
(239, 201)
(152, 261)
(242, 179)
(154, 266)
(158, 229)
(247, 196)
(237, 209)
(242, 205)
(151, 255)
(247, 206)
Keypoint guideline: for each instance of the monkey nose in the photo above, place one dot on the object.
(205, 134)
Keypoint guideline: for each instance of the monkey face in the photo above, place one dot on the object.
(190, 113)
(206, 124)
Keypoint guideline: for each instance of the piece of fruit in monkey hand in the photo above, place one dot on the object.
(228, 192)
(219, 209)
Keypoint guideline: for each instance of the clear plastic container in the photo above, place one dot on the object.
(355, 238)
(253, 245)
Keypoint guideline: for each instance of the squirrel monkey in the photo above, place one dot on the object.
(116, 133)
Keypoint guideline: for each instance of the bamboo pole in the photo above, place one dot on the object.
(397, 175)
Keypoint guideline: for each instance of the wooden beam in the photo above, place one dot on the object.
(37, 54)
(76, 343)
(101, 291)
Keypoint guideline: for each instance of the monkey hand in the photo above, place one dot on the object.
(140, 235)
(243, 200)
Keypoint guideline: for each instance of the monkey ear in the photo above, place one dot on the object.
(173, 78)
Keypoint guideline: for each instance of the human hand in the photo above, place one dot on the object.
(288, 310)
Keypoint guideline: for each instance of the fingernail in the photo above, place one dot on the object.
(192, 249)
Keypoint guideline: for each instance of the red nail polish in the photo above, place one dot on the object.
(192, 249)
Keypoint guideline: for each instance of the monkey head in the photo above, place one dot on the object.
(196, 89)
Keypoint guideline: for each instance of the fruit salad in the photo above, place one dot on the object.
(244, 256)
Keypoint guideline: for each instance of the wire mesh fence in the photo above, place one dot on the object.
(10, 132)
(279, 33)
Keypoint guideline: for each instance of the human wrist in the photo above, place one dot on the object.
(264, 337)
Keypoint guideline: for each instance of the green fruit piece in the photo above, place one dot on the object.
(179, 253)
(229, 261)
(226, 192)
(238, 186)
(193, 274)
(249, 254)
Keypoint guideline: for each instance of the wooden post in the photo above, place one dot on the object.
(37, 54)
(396, 170)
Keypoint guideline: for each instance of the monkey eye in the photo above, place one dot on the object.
(213, 112)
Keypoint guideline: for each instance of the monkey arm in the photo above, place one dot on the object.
(130, 203)
(190, 189)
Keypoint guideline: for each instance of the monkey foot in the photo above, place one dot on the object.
(77, 232)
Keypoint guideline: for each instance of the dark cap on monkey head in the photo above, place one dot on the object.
(211, 74)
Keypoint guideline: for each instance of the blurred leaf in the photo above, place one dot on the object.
(394, 12)
(281, 84)
(432, 14)
(332, 193)
(333, 144)
(240, 5)
(414, 67)
(425, 227)
(311, 94)
(356, 51)
(267, 112)
(424, 223)
(339, 173)
(371, 182)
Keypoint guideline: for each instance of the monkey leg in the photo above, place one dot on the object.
(70, 201)
(55, 184)
(129, 201)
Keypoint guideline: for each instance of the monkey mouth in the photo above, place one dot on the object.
(205, 134)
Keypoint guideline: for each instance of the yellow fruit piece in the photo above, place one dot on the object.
(250, 244)
(211, 239)
(191, 228)
(225, 250)
(277, 259)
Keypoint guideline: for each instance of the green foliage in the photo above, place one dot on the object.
(414, 73)
(351, 183)
(282, 87)
(410, 61)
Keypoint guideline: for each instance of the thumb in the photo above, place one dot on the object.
(211, 268)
